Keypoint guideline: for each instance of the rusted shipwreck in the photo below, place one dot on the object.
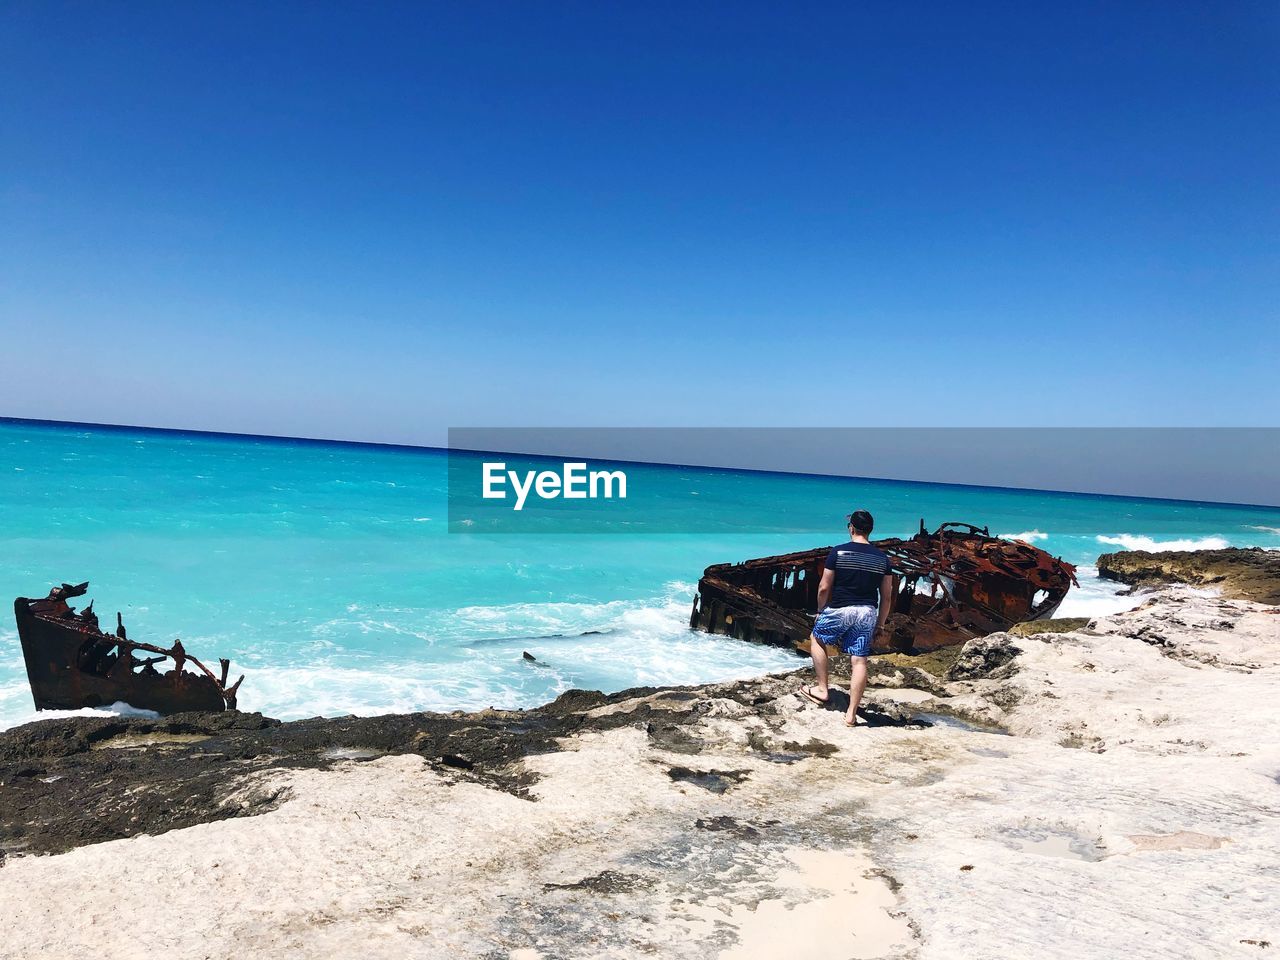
(950, 585)
(71, 663)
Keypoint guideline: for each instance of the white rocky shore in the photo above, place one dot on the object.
(1124, 803)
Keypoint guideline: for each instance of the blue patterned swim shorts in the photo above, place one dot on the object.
(849, 628)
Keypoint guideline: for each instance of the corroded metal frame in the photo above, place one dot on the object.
(950, 584)
(71, 663)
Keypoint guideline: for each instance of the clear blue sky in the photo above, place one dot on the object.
(375, 220)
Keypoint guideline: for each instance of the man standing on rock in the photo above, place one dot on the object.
(855, 577)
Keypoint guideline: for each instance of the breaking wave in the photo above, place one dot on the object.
(1030, 536)
(1095, 597)
(1128, 541)
(468, 658)
(117, 709)
(594, 646)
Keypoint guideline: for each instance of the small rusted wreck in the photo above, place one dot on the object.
(72, 664)
(950, 585)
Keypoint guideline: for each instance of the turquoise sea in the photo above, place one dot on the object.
(325, 571)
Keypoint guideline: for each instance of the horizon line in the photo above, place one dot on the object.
(386, 445)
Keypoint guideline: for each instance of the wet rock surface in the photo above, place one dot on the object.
(71, 781)
(67, 782)
(1240, 573)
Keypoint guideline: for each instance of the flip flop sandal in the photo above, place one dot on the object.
(804, 692)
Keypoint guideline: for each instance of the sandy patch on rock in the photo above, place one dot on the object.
(833, 904)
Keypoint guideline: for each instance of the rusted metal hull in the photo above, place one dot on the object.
(71, 663)
(950, 585)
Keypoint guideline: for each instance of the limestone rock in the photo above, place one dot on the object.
(1240, 573)
(1059, 625)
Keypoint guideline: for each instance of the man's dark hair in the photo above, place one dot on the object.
(862, 522)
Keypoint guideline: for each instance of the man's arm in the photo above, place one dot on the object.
(824, 588)
(886, 599)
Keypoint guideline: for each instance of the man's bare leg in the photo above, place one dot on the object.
(819, 654)
(857, 684)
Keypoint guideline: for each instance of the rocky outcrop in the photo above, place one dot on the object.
(988, 658)
(1240, 573)
(69, 782)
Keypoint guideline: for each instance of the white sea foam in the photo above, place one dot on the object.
(382, 627)
(501, 678)
(325, 690)
(667, 613)
(596, 646)
(117, 709)
(1274, 530)
(472, 657)
(1095, 597)
(1129, 541)
(1030, 536)
(537, 618)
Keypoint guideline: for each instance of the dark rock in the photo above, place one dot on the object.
(717, 781)
(986, 658)
(69, 782)
(674, 738)
(730, 825)
(605, 882)
(813, 746)
(1241, 573)
(74, 781)
(572, 701)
